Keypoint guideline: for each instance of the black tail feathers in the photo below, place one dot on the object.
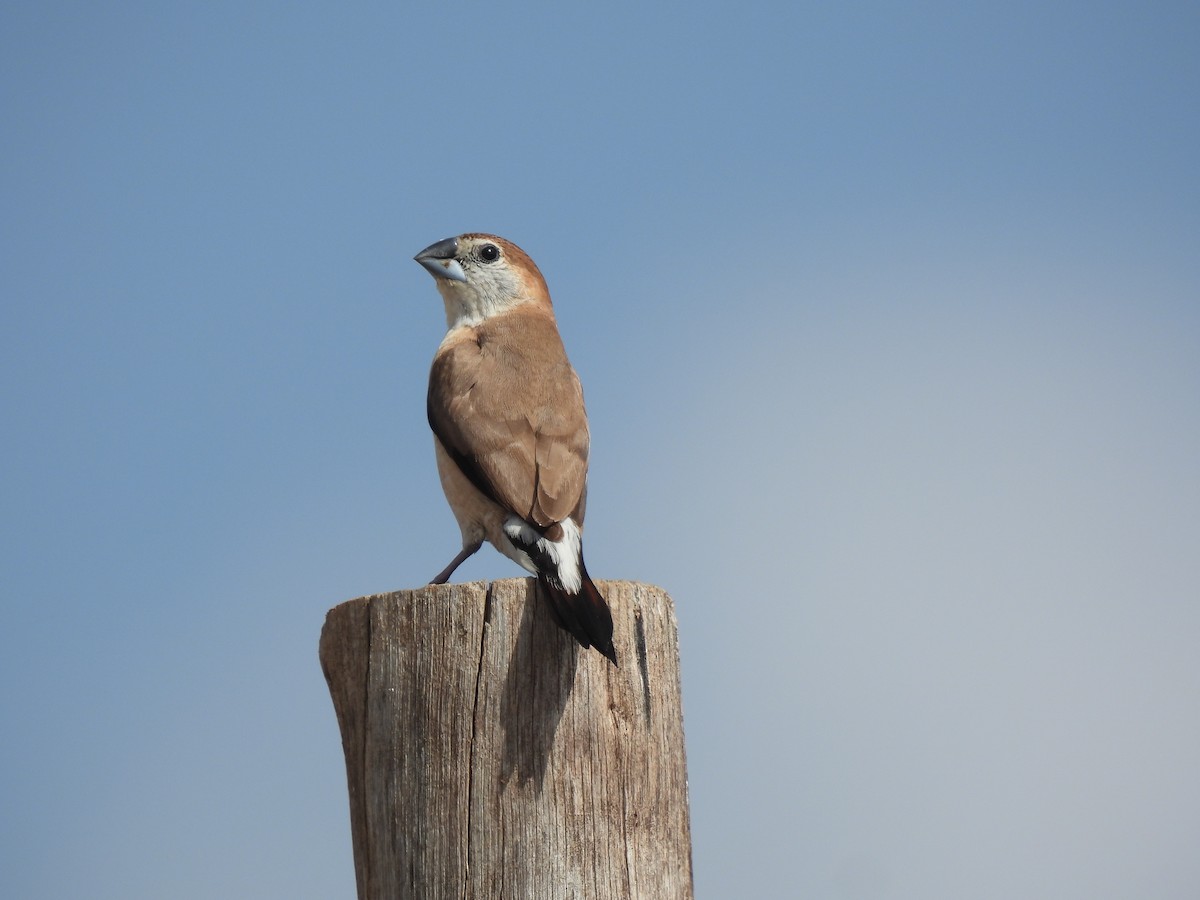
(584, 614)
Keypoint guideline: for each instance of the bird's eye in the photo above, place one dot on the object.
(489, 253)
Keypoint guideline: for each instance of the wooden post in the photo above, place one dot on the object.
(489, 756)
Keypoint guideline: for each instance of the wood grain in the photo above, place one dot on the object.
(488, 756)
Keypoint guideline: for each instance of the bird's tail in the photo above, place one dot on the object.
(583, 613)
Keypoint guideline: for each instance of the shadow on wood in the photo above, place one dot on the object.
(489, 756)
(536, 689)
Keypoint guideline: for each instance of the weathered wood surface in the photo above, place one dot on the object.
(489, 756)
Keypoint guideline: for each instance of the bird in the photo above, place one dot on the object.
(510, 431)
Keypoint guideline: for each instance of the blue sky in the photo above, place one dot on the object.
(889, 323)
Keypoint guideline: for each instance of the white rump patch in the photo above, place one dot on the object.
(564, 554)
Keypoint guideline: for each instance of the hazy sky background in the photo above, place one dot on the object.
(889, 323)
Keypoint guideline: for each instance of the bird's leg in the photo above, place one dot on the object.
(443, 576)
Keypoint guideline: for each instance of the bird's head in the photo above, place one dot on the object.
(481, 275)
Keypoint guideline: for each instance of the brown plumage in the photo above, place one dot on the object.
(510, 430)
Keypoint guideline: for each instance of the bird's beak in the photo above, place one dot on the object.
(439, 260)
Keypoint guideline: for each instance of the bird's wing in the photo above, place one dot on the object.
(508, 408)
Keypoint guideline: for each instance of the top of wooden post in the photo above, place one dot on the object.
(488, 755)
